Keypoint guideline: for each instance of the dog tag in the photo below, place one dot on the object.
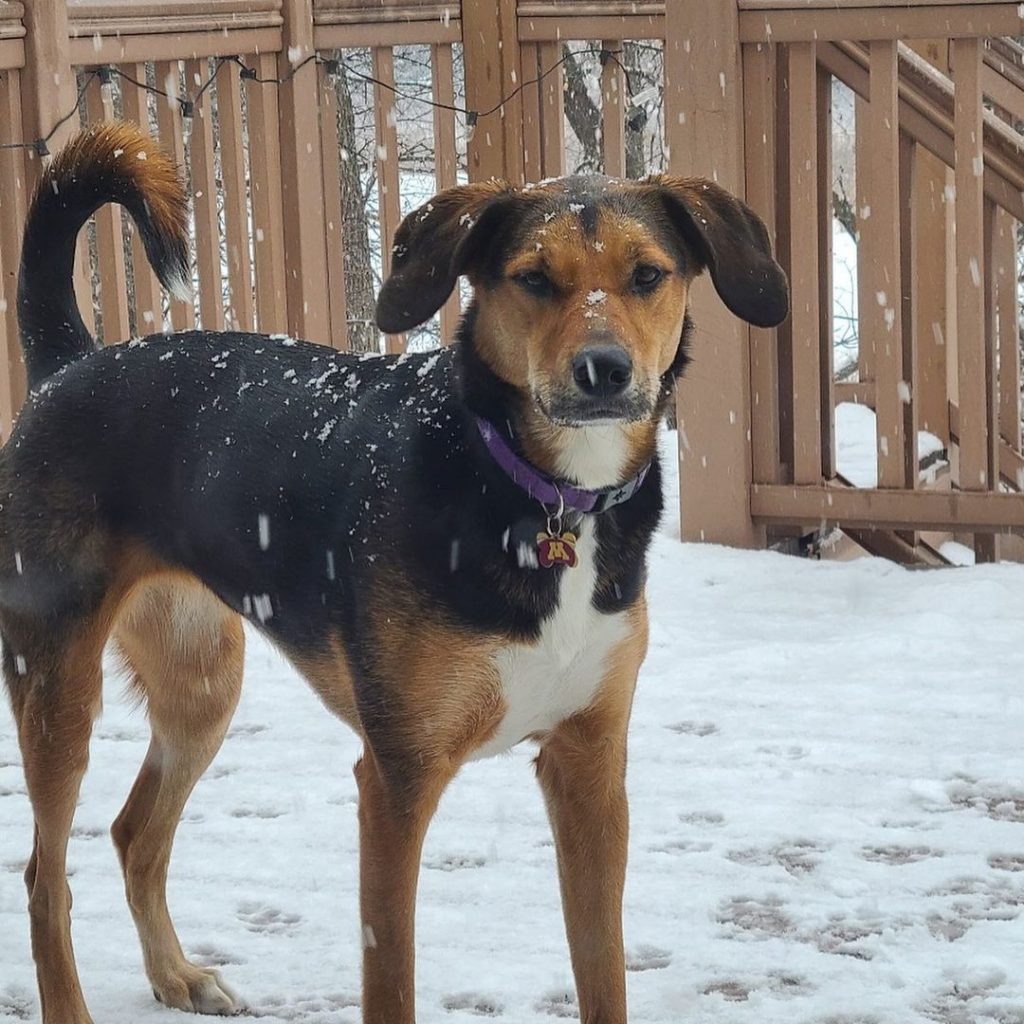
(555, 550)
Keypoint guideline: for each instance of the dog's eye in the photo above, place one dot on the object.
(535, 281)
(646, 277)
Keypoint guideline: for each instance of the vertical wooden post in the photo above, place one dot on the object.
(445, 171)
(109, 234)
(490, 39)
(13, 203)
(931, 210)
(613, 110)
(970, 264)
(265, 164)
(1008, 318)
(305, 247)
(759, 65)
(826, 368)
(172, 137)
(804, 263)
(204, 202)
(236, 205)
(49, 89)
(333, 217)
(48, 84)
(909, 252)
(704, 129)
(552, 110)
(863, 201)
(881, 307)
(148, 311)
(389, 211)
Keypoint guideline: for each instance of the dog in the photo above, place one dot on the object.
(449, 546)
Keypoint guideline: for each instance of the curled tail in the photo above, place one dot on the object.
(107, 163)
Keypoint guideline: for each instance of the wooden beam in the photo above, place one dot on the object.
(887, 509)
(704, 135)
(963, 20)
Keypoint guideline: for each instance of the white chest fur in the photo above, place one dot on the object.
(550, 680)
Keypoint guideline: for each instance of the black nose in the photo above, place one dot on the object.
(602, 371)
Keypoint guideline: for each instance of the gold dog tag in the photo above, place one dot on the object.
(554, 550)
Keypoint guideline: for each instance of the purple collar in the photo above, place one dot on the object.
(547, 491)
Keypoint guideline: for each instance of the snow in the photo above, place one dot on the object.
(856, 449)
(827, 789)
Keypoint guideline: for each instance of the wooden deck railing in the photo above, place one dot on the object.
(747, 100)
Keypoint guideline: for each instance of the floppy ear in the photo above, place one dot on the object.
(433, 246)
(733, 244)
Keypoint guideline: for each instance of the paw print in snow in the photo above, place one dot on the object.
(473, 1002)
(693, 728)
(258, 917)
(647, 958)
(560, 1002)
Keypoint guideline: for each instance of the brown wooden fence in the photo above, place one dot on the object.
(747, 100)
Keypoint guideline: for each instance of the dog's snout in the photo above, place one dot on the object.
(601, 371)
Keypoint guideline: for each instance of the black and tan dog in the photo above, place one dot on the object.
(449, 546)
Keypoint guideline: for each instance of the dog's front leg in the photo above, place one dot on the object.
(582, 772)
(394, 813)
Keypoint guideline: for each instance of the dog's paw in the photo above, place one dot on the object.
(197, 990)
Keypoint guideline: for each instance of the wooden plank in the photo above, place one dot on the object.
(267, 219)
(826, 372)
(333, 220)
(804, 264)
(887, 508)
(552, 110)
(880, 311)
(388, 199)
(890, 22)
(171, 128)
(986, 547)
(592, 26)
(445, 160)
(148, 308)
(48, 84)
(204, 203)
(305, 248)
(865, 296)
(531, 113)
(236, 203)
(164, 46)
(14, 196)
(759, 147)
(1004, 271)
(909, 250)
(784, 332)
(860, 392)
(970, 264)
(704, 135)
(509, 119)
(397, 33)
(109, 236)
(613, 111)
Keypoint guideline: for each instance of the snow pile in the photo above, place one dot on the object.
(827, 790)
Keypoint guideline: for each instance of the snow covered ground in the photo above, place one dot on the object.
(827, 784)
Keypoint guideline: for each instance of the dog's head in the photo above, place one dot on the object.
(581, 283)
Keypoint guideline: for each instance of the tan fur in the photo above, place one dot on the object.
(126, 150)
(582, 771)
(531, 342)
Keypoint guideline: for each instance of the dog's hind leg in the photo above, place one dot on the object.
(185, 650)
(54, 675)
